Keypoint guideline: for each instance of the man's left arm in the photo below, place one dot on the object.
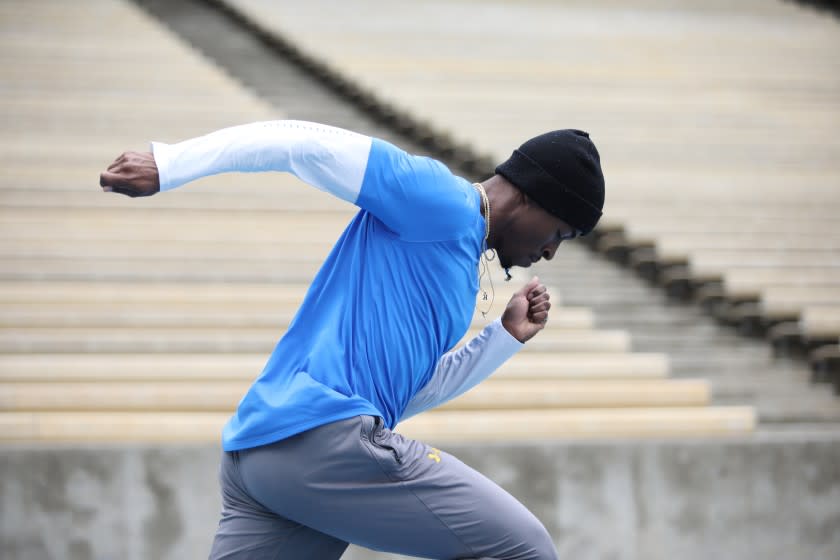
(460, 370)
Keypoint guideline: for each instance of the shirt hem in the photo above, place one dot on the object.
(247, 443)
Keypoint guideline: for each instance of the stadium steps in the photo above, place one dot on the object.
(144, 320)
(740, 370)
(737, 179)
(504, 393)
(215, 365)
(187, 316)
(520, 425)
(180, 339)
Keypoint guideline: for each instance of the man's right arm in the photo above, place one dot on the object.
(416, 197)
(331, 159)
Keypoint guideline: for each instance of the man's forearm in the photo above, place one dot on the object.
(460, 370)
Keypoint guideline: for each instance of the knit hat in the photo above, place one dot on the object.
(560, 171)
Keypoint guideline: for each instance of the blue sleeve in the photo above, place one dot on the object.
(416, 197)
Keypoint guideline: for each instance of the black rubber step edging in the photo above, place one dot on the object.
(438, 143)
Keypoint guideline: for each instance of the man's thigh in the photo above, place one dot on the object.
(361, 483)
(249, 531)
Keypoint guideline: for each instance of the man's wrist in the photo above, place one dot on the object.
(159, 154)
(509, 332)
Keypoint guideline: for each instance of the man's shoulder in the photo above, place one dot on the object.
(421, 195)
(388, 156)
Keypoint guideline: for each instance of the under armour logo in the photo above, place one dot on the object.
(434, 455)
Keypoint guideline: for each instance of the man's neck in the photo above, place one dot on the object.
(502, 196)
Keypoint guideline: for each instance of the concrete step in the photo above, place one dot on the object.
(145, 293)
(190, 198)
(208, 327)
(199, 315)
(223, 396)
(789, 301)
(821, 322)
(776, 410)
(223, 252)
(152, 270)
(444, 426)
(220, 366)
(689, 341)
(750, 282)
(132, 294)
(226, 340)
(180, 211)
(295, 270)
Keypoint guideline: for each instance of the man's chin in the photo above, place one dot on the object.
(505, 262)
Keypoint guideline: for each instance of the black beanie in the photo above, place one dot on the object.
(560, 171)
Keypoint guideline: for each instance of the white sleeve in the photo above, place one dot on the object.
(460, 370)
(328, 158)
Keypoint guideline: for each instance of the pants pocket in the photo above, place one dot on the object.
(380, 438)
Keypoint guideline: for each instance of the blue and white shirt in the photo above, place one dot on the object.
(396, 292)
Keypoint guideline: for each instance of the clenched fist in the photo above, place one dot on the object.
(132, 174)
(527, 311)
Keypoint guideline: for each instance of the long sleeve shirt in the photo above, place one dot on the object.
(396, 292)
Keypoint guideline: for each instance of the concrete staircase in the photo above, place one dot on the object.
(103, 298)
(145, 320)
(740, 370)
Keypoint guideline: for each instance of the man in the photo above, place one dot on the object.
(310, 463)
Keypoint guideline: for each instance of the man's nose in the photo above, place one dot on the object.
(549, 250)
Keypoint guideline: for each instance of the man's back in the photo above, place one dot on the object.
(382, 310)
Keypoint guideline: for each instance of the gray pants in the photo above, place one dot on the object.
(354, 481)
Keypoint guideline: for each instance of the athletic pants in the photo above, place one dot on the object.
(355, 481)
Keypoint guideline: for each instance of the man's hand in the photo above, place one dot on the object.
(132, 174)
(527, 311)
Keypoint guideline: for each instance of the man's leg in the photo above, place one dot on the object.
(249, 531)
(360, 483)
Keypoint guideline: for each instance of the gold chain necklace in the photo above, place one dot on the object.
(485, 201)
(483, 259)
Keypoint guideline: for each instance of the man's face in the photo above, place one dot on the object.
(533, 234)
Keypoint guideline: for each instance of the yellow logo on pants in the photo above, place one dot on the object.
(434, 455)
